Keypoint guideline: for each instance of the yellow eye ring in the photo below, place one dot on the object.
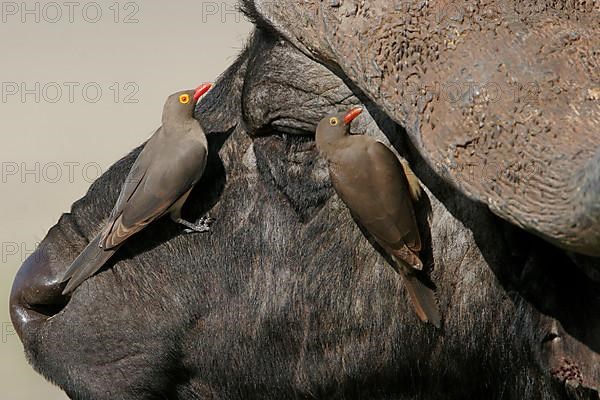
(184, 98)
(333, 121)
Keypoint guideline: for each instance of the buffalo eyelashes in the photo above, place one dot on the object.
(184, 99)
(333, 121)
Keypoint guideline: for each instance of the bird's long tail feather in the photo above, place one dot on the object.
(423, 299)
(91, 259)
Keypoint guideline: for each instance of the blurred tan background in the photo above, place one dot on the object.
(81, 86)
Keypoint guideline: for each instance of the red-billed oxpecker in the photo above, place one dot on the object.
(379, 191)
(159, 182)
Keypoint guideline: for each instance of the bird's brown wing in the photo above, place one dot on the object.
(370, 180)
(135, 176)
(396, 198)
(166, 169)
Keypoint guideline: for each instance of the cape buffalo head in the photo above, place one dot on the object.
(286, 297)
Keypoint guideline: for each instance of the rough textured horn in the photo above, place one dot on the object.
(502, 101)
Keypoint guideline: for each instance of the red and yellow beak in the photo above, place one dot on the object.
(201, 90)
(353, 113)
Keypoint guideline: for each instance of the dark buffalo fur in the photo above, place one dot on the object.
(286, 298)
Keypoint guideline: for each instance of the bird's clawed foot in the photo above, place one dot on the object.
(202, 225)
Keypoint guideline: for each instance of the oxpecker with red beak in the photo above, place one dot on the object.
(378, 190)
(159, 182)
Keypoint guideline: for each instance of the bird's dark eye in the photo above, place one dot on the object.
(184, 99)
(333, 121)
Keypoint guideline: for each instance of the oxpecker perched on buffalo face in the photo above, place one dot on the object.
(372, 182)
(159, 182)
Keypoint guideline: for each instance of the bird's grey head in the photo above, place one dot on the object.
(334, 127)
(181, 105)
